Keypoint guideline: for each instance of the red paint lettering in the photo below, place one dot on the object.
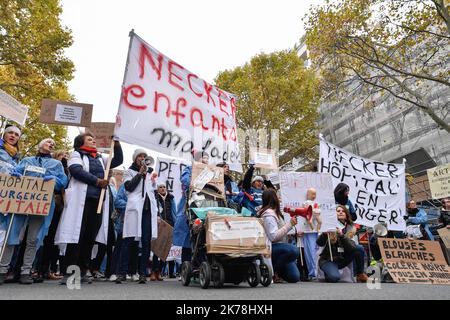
(19, 203)
(190, 75)
(181, 102)
(156, 103)
(29, 208)
(199, 123)
(233, 136)
(215, 121)
(143, 54)
(208, 89)
(139, 94)
(233, 108)
(222, 103)
(171, 73)
(46, 209)
(224, 130)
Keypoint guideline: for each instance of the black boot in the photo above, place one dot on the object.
(121, 278)
(142, 279)
(26, 279)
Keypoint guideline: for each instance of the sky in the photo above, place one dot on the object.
(204, 36)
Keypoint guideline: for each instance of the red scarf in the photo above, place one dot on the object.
(91, 151)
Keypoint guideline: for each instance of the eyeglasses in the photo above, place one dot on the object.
(162, 187)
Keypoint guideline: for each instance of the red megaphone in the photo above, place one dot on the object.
(303, 212)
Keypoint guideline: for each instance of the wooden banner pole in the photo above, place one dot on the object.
(329, 245)
(6, 236)
(108, 165)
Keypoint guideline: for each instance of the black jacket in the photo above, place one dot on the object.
(342, 259)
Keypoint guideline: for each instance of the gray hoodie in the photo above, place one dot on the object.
(276, 229)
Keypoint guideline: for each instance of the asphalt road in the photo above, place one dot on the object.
(173, 290)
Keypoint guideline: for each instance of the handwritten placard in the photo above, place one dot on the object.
(25, 195)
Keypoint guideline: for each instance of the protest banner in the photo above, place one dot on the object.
(377, 189)
(414, 261)
(293, 194)
(444, 234)
(12, 109)
(169, 172)
(263, 158)
(66, 113)
(25, 195)
(166, 108)
(439, 179)
(210, 175)
(103, 132)
(162, 244)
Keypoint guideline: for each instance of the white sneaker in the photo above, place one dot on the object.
(99, 276)
(113, 278)
(135, 277)
(128, 277)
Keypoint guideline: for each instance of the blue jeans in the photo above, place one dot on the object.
(146, 238)
(331, 271)
(309, 241)
(284, 258)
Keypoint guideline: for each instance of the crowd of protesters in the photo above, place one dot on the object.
(116, 244)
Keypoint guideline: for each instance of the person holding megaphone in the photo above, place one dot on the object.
(140, 221)
(284, 254)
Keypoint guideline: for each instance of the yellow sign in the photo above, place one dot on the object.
(439, 179)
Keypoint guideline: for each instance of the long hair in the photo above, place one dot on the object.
(270, 201)
(348, 217)
(339, 193)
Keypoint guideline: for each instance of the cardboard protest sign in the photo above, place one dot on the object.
(103, 132)
(25, 195)
(414, 261)
(210, 175)
(293, 194)
(169, 172)
(263, 158)
(377, 189)
(439, 179)
(274, 178)
(161, 245)
(66, 113)
(444, 234)
(174, 254)
(166, 108)
(12, 109)
(233, 234)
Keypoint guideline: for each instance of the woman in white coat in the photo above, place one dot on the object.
(140, 221)
(80, 223)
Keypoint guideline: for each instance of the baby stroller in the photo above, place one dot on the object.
(213, 267)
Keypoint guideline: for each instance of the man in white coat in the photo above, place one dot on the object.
(140, 221)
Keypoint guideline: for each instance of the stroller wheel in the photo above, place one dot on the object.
(186, 270)
(253, 275)
(218, 275)
(205, 274)
(266, 274)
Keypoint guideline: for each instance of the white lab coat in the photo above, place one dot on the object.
(75, 196)
(132, 225)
